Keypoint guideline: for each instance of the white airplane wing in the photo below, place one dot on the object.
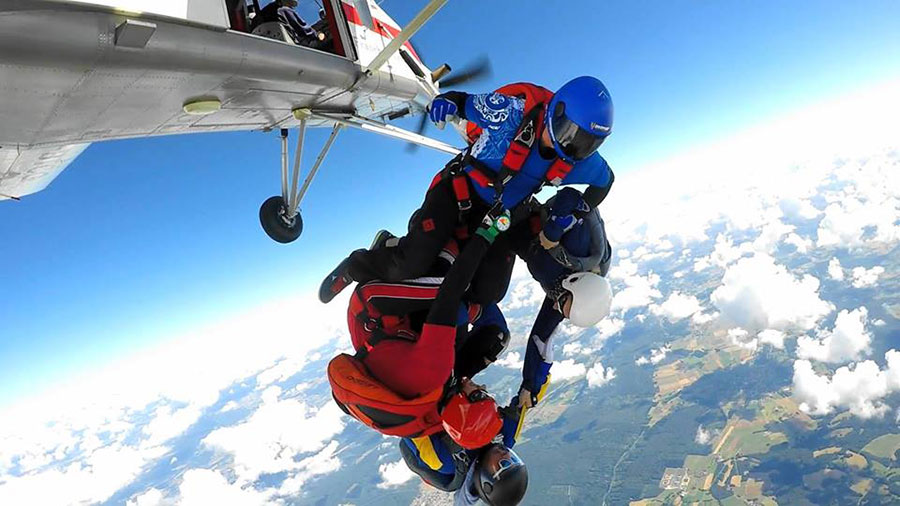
(24, 171)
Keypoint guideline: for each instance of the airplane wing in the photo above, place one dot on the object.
(24, 171)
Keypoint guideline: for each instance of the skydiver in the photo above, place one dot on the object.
(569, 258)
(401, 380)
(493, 473)
(523, 137)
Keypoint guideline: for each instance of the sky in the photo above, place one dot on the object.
(140, 241)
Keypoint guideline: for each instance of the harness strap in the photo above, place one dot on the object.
(558, 171)
(521, 145)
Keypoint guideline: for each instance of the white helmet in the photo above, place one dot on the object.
(591, 298)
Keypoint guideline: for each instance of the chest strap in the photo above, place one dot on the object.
(521, 145)
(557, 172)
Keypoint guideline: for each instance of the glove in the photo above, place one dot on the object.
(535, 389)
(561, 256)
(440, 108)
(510, 415)
(497, 220)
(556, 226)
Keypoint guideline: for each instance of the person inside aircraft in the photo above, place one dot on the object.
(523, 137)
(283, 11)
(567, 252)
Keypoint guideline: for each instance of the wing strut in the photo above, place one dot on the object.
(390, 131)
(408, 31)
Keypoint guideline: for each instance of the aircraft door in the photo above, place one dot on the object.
(317, 24)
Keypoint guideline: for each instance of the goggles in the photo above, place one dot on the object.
(574, 141)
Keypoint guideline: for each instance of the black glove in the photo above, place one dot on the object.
(561, 256)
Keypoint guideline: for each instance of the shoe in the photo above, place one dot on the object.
(381, 239)
(335, 282)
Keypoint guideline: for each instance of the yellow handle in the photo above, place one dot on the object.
(524, 409)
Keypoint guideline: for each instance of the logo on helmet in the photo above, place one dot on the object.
(597, 126)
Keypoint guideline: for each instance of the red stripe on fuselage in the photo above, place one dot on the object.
(381, 28)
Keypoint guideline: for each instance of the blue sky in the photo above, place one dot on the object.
(139, 240)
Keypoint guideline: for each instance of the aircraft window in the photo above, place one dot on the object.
(298, 22)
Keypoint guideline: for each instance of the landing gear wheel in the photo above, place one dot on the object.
(275, 223)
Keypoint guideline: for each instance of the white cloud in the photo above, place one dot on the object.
(639, 291)
(657, 355)
(169, 423)
(879, 322)
(567, 369)
(151, 497)
(609, 327)
(91, 480)
(572, 348)
(626, 268)
(701, 318)
(394, 474)
(229, 406)
(725, 252)
(846, 221)
(202, 487)
(324, 462)
(597, 376)
(802, 245)
(784, 176)
(525, 293)
(772, 337)
(677, 307)
(512, 360)
(742, 338)
(756, 293)
(281, 371)
(275, 434)
(835, 271)
(859, 387)
(61, 435)
(797, 208)
(863, 278)
(772, 231)
(703, 436)
(847, 341)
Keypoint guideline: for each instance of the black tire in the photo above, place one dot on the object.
(271, 217)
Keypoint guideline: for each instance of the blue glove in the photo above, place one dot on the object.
(439, 109)
(510, 417)
(556, 226)
(569, 201)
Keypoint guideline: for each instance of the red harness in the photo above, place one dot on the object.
(368, 326)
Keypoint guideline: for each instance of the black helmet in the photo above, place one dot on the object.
(500, 477)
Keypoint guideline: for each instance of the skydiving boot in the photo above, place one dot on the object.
(383, 238)
(335, 282)
(340, 278)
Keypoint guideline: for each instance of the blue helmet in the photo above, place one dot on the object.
(579, 118)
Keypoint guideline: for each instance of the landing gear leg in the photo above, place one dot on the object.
(280, 215)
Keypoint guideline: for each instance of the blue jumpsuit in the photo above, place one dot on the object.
(584, 247)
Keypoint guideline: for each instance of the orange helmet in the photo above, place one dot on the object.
(472, 421)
